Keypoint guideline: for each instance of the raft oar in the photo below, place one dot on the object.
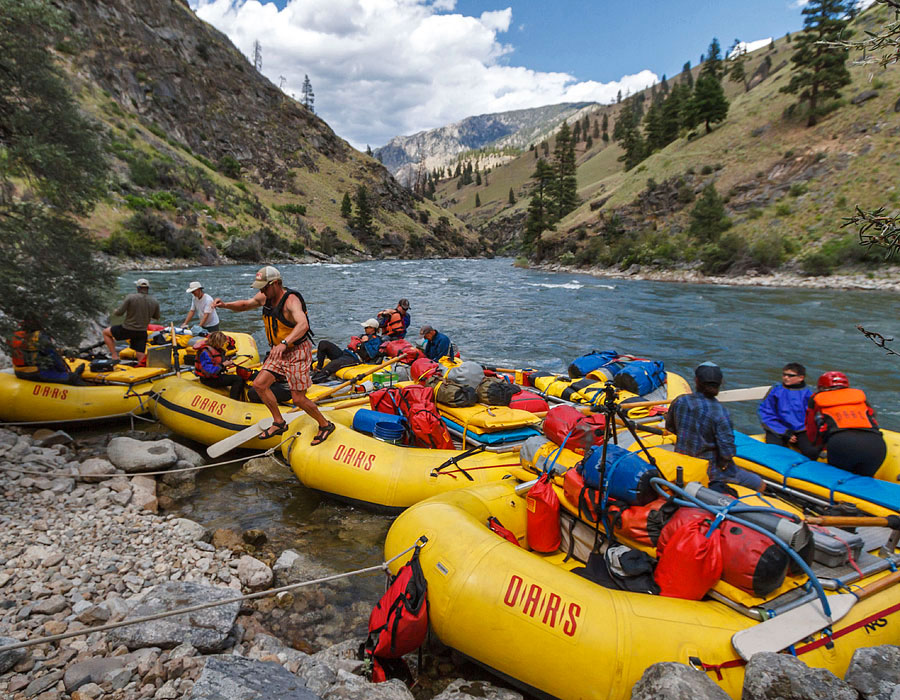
(217, 449)
(752, 393)
(794, 625)
(891, 521)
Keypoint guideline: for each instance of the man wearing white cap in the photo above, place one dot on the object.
(289, 334)
(361, 348)
(138, 308)
(203, 305)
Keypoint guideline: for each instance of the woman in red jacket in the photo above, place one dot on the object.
(840, 420)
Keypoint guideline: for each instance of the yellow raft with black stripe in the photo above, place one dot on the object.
(360, 469)
(120, 392)
(528, 617)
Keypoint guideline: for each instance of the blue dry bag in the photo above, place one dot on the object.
(641, 376)
(588, 363)
(627, 476)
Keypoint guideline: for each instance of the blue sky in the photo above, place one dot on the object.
(382, 68)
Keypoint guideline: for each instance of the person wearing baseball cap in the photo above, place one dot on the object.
(437, 345)
(290, 336)
(361, 348)
(394, 322)
(203, 306)
(139, 308)
(704, 430)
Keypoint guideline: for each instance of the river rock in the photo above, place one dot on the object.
(235, 678)
(191, 530)
(253, 573)
(97, 671)
(294, 567)
(342, 656)
(8, 659)
(49, 438)
(350, 687)
(186, 454)
(42, 683)
(786, 677)
(139, 456)
(50, 606)
(875, 672)
(460, 689)
(675, 681)
(207, 630)
(264, 469)
(94, 470)
(143, 493)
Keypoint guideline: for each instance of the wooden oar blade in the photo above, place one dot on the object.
(217, 449)
(790, 627)
(752, 393)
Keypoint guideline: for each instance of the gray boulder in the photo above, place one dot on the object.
(460, 689)
(350, 687)
(875, 672)
(264, 469)
(96, 469)
(236, 678)
(139, 456)
(194, 531)
(294, 567)
(207, 630)
(8, 659)
(771, 675)
(342, 656)
(186, 454)
(93, 671)
(675, 681)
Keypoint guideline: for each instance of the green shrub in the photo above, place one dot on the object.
(717, 257)
(131, 133)
(767, 252)
(242, 187)
(797, 189)
(754, 213)
(230, 167)
(157, 130)
(143, 172)
(782, 209)
(136, 203)
(706, 170)
(841, 202)
(298, 209)
(164, 201)
(817, 264)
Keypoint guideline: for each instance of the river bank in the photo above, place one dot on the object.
(82, 544)
(881, 279)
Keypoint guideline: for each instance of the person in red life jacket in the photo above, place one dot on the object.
(36, 359)
(212, 367)
(288, 332)
(783, 411)
(138, 308)
(364, 348)
(394, 322)
(840, 420)
(703, 428)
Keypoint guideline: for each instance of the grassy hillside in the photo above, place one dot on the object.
(210, 159)
(780, 180)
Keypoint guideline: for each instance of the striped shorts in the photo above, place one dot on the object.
(293, 365)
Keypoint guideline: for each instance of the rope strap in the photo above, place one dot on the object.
(203, 606)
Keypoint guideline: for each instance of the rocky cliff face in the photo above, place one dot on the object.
(440, 147)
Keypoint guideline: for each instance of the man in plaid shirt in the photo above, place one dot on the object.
(704, 430)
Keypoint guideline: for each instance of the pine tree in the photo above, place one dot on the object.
(687, 77)
(363, 222)
(346, 206)
(655, 128)
(257, 55)
(709, 100)
(713, 63)
(512, 196)
(619, 97)
(630, 139)
(671, 112)
(368, 150)
(308, 97)
(477, 200)
(538, 219)
(596, 132)
(709, 220)
(565, 190)
(50, 152)
(589, 143)
(820, 69)
(478, 179)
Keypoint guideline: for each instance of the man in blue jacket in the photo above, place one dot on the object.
(438, 345)
(783, 411)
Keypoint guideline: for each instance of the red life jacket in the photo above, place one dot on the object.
(399, 621)
(216, 356)
(839, 409)
(25, 347)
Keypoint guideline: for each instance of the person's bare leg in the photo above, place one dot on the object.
(263, 383)
(110, 343)
(302, 401)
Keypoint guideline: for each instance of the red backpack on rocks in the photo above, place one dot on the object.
(399, 621)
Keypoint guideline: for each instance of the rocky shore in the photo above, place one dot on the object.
(82, 545)
(885, 279)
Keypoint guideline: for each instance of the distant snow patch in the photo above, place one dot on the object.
(749, 47)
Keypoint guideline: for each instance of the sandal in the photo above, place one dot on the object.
(273, 430)
(323, 434)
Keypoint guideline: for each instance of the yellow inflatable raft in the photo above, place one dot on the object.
(528, 617)
(122, 391)
(355, 467)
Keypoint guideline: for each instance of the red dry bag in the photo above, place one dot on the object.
(386, 400)
(582, 431)
(423, 369)
(542, 517)
(690, 563)
(528, 401)
(399, 621)
(395, 348)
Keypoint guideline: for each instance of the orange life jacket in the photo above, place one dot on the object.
(216, 356)
(394, 323)
(841, 409)
(278, 328)
(25, 351)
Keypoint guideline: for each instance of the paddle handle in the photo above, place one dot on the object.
(892, 521)
(335, 389)
(877, 586)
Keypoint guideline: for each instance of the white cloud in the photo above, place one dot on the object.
(381, 68)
